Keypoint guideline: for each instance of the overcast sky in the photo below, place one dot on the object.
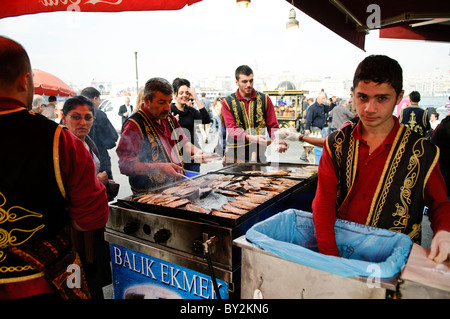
(211, 37)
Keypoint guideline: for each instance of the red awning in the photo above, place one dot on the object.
(400, 19)
(48, 84)
(20, 7)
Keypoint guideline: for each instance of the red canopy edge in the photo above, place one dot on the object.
(441, 34)
(21, 7)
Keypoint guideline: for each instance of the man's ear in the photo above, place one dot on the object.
(400, 97)
(23, 82)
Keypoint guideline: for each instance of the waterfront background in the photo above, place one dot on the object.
(215, 37)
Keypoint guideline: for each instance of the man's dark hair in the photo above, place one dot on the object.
(243, 69)
(90, 92)
(380, 69)
(14, 61)
(157, 85)
(73, 102)
(177, 83)
(414, 96)
(52, 98)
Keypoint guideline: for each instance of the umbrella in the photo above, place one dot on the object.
(48, 84)
(399, 19)
(20, 7)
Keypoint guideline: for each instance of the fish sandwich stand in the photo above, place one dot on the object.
(233, 234)
(176, 241)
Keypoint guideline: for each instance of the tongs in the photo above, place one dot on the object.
(199, 193)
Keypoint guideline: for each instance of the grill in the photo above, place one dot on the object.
(194, 241)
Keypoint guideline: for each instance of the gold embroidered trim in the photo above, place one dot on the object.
(13, 237)
(427, 176)
(255, 105)
(19, 279)
(382, 186)
(56, 165)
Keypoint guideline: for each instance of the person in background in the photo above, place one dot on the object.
(125, 110)
(414, 116)
(316, 115)
(340, 114)
(38, 104)
(187, 116)
(222, 137)
(204, 128)
(149, 150)
(400, 106)
(139, 101)
(249, 116)
(441, 138)
(434, 120)
(102, 132)
(47, 183)
(78, 116)
(377, 172)
(58, 112)
(49, 110)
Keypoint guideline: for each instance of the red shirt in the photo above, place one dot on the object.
(87, 203)
(130, 144)
(239, 133)
(357, 205)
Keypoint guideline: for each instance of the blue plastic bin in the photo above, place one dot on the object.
(291, 235)
(317, 151)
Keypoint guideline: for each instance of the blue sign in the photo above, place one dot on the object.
(139, 276)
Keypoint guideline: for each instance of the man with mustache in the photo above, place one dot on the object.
(150, 147)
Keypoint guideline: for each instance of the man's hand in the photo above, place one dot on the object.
(280, 146)
(293, 136)
(440, 246)
(102, 177)
(259, 139)
(169, 169)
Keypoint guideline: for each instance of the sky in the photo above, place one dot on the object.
(209, 38)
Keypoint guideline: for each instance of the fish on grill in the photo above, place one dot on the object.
(252, 172)
(226, 192)
(278, 172)
(233, 209)
(243, 205)
(178, 203)
(253, 198)
(274, 188)
(172, 190)
(197, 208)
(221, 213)
(168, 200)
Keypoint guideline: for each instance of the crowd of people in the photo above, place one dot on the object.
(373, 170)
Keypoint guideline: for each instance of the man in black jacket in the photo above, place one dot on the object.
(414, 116)
(125, 110)
(316, 114)
(102, 132)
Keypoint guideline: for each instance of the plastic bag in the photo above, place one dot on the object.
(291, 235)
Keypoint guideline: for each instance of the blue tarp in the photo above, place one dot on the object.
(364, 249)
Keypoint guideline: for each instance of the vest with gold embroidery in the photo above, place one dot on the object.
(415, 118)
(32, 205)
(398, 202)
(254, 123)
(153, 151)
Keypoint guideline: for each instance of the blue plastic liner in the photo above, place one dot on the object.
(190, 174)
(364, 249)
